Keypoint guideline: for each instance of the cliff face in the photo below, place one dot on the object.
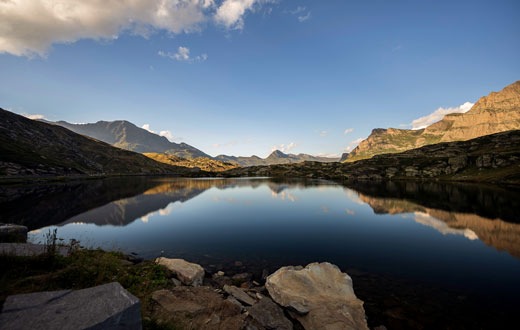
(497, 112)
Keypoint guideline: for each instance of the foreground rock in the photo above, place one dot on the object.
(107, 306)
(267, 315)
(188, 273)
(197, 308)
(320, 295)
(10, 233)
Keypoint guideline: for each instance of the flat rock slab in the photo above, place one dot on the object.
(28, 249)
(197, 308)
(239, 294)
(107, 306)
(12, 233)
(320, 295)
(188, 273)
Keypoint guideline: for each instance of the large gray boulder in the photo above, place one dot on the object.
(107, 306)
(320, 296)
(188, 273)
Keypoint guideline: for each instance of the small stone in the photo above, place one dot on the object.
(239, 295)
(221, 273)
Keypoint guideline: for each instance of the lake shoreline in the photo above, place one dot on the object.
(389, 301)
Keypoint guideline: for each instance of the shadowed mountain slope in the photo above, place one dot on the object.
(29, 147)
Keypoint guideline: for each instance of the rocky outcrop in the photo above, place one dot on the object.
(497, 112)
(491, 158)
(203, 163)
(107, 306)
(188, 273)
(320, 295)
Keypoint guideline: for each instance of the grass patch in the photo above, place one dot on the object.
(83, 269)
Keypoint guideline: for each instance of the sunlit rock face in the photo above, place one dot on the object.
(320, 294)
(497, 112)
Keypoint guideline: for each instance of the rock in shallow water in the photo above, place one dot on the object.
(321, 295)
(10, 233)
(188, 273)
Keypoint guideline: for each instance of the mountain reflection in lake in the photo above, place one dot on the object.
(454, 237)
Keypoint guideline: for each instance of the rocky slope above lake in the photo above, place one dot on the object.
(497, 112)
(276, 157)
(125, 135)
(29, 147)
(491, 158)
(204, 163)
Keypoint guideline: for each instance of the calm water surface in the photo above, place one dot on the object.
(461, 237)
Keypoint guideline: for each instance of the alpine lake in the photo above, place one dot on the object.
(421, 254)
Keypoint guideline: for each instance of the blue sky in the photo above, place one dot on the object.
(243, 77)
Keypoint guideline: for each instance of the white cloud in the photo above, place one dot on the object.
(439, 114)
(324, 133)
(230, 13)
(299, 12)
(183, 55)
(348, 131)
(167, 134)
(29, 28)
(303, 18)
(353, 144)
(285, 148)
(147, 127)
(33, 116)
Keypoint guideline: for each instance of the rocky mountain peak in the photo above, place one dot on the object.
(494, 113)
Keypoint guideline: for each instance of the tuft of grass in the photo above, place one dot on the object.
(84, 269)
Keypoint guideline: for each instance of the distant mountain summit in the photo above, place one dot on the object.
(276, 157)
(495, 113)
(125, 135)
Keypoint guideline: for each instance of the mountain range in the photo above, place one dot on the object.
(497, 112)
(125, 135)
(276, 157)
(30, 147)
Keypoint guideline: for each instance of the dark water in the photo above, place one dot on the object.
(440, 243)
